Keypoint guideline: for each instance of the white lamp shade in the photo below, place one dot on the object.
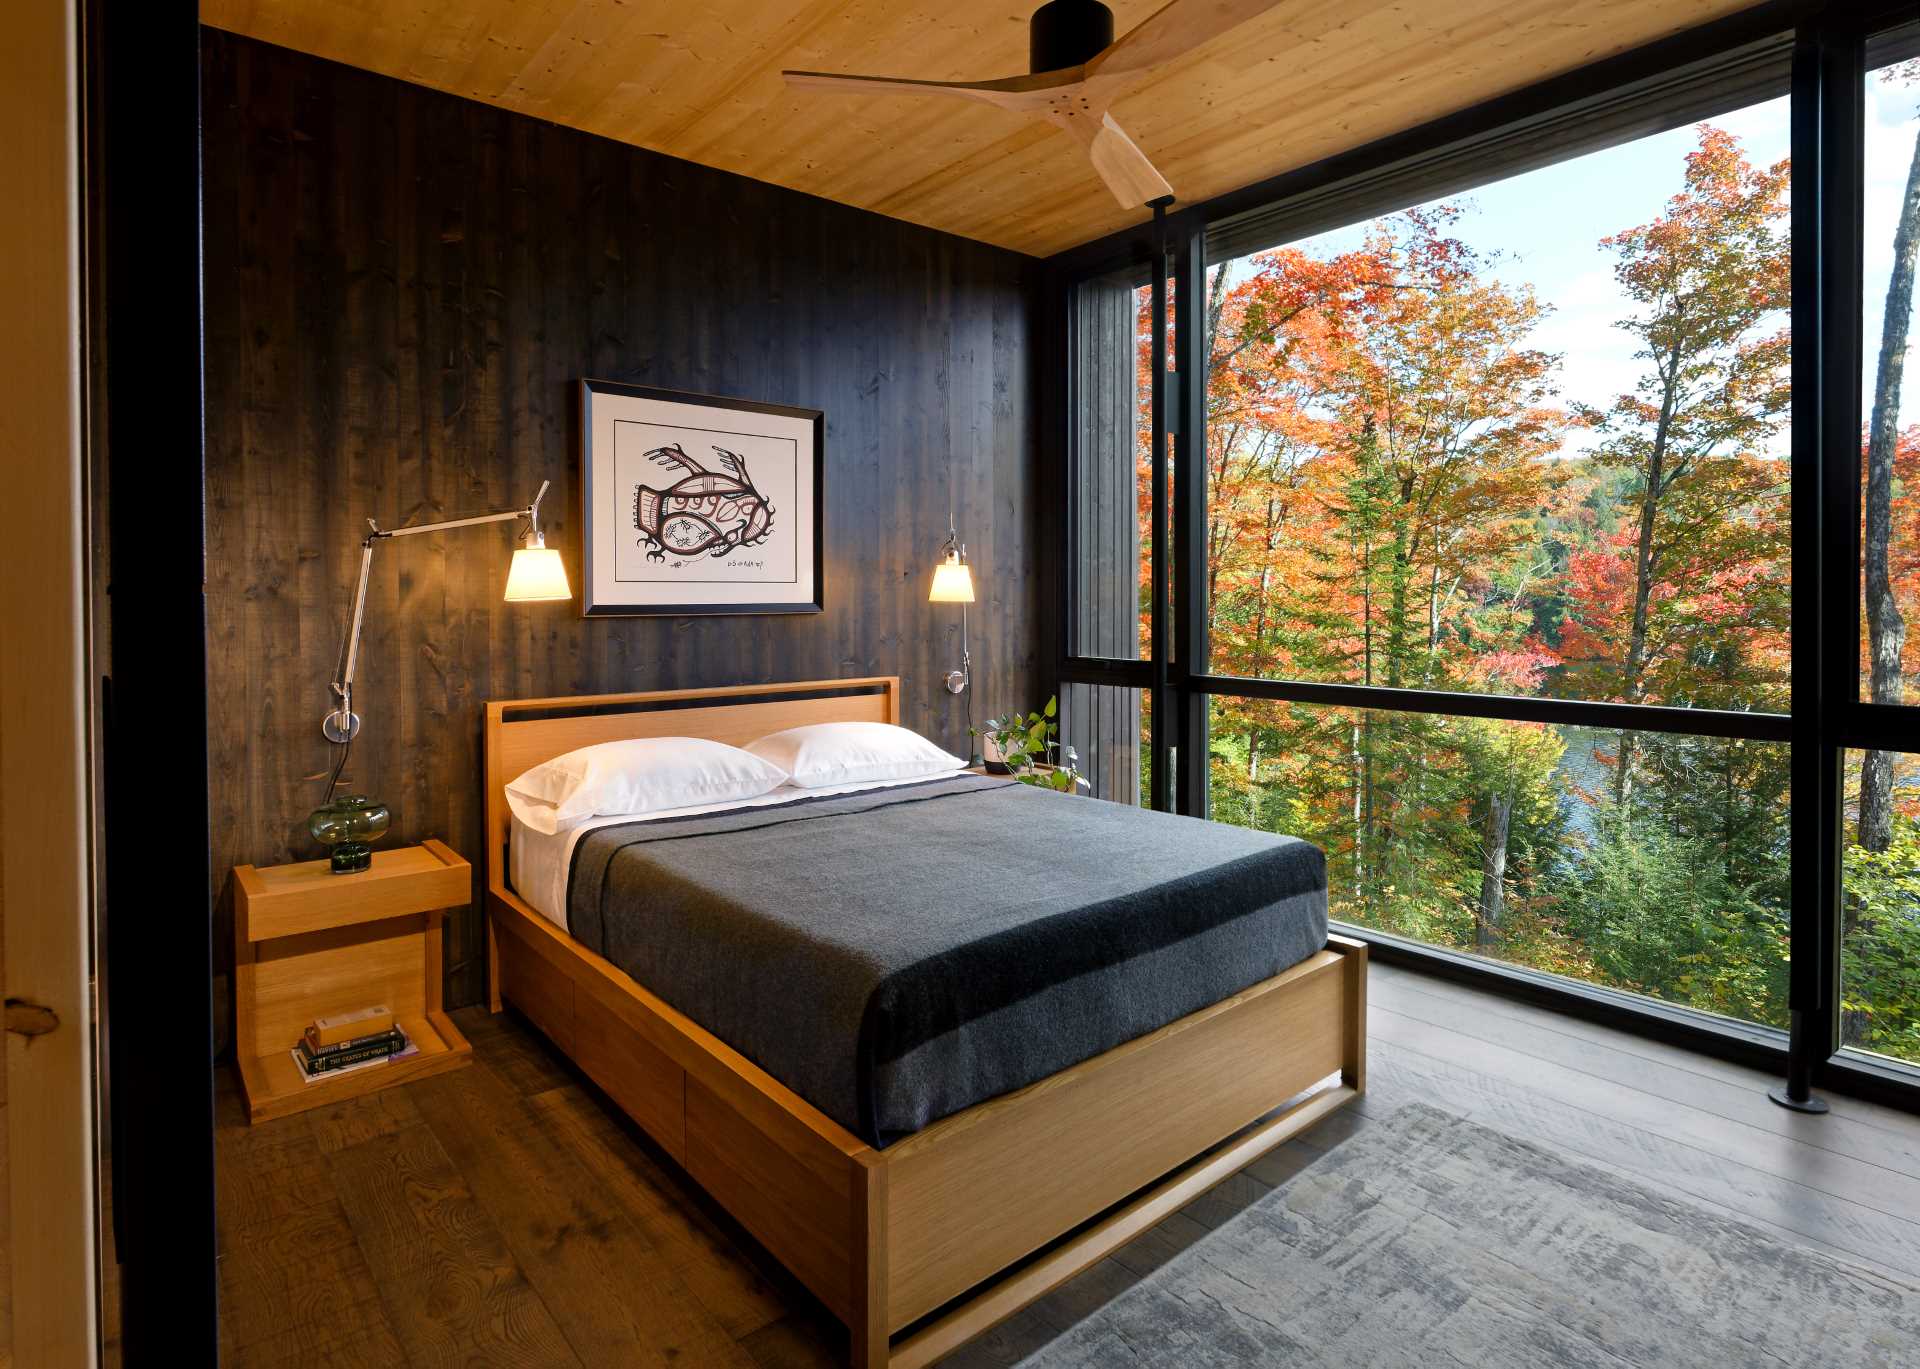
(952, 584)
(537, 574)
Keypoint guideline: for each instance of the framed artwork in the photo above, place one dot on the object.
(698, 504)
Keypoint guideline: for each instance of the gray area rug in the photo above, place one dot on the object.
(1427, 1240)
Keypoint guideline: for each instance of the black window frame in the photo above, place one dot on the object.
(1819, 55)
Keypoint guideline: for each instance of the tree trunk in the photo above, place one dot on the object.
(1632, 683)
(1495, 824)
(1397, 609)
(1622, 770)
(1886, 627)
(1216, 300)
(1359, 816)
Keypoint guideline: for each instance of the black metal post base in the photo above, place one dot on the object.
(1783, 1095)
(1796, 1095)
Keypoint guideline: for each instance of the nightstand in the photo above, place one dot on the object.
(308, 943)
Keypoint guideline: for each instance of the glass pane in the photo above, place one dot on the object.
(1890, 541)
(1655, 864)
(1880, 909)
(1106, 725)
(1530, 440)
(1112, 436)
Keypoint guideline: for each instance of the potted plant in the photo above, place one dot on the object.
(1028, 748)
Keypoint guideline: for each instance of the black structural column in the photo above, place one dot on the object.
(1165, 729)
(1826, 114)
(143, 177)
(1192, 343)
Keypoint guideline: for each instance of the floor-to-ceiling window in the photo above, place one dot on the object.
(1492, 573)
(1880, 901)
(1529, 439)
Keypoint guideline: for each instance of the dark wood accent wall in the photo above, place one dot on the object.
(1107, 491)
(1102, 723)
(402, 287)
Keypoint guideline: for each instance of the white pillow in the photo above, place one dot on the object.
(641, 775)
(853, 753)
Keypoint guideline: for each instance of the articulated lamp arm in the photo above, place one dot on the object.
(342, 724)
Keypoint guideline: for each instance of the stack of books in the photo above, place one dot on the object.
(348, 1041)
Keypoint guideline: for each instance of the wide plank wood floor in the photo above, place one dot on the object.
(507, 1214)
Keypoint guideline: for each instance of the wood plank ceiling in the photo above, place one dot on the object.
(699, 79)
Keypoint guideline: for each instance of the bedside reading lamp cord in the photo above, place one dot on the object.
(956, 554)
(339, 764)
(346, 747)
(966, 656)
(968, 691)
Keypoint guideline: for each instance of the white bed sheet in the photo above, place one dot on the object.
(538, 864)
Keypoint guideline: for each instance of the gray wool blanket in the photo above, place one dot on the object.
(897, 955)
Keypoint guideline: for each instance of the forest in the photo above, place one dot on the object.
(1394, 499)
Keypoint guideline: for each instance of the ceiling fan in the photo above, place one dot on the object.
(1077, 71)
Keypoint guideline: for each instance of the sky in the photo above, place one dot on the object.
(1546, 226)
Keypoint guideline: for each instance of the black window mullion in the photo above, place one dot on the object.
(1875, 727)
(1826, 127)
(1072, 582)
(1519, 708)
(1160, 634)
(1100, 670)
(1190, 511)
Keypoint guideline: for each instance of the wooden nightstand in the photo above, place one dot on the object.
(308, 943)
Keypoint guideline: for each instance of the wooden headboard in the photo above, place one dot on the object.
(521, 733)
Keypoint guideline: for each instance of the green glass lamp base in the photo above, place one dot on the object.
(348, 827)
(350, 858)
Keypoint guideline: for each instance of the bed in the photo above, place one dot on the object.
(1037, 1085)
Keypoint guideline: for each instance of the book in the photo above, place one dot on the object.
(371, 1039)
(321, 1076)
(392, 1044)
(338, 1027)
(336, 1062)
(385, 1042)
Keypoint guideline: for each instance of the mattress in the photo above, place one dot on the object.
(538, 863)
(897, 954)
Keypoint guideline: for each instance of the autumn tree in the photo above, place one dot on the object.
(1449, 412)
(1391, 500)
(1708, 275)
(1267, 339)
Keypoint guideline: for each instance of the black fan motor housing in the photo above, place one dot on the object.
(1065, 33)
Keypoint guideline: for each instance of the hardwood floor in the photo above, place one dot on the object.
(507, 1214)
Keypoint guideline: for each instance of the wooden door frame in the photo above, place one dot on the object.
(45, 788)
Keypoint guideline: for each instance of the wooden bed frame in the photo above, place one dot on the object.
(923, 1245)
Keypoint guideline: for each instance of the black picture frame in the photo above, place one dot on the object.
(596, 601)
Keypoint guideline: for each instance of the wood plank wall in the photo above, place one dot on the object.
(402, 286)
(1102, 723)
(1108, 432)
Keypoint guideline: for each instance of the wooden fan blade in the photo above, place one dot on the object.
(1120, 163)
(1173, 31)
(1018, 93)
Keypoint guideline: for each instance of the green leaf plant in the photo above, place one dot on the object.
(1029, 746)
